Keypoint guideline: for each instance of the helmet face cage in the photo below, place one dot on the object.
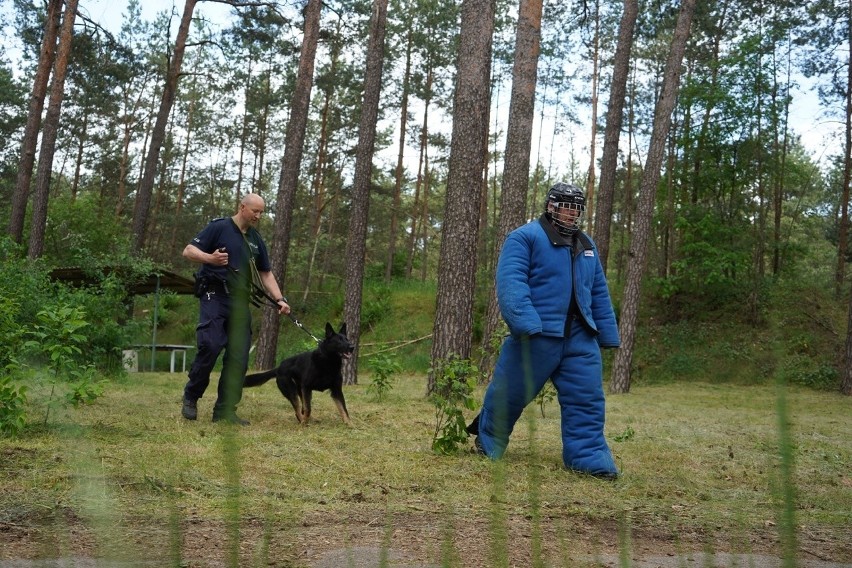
(565, 206)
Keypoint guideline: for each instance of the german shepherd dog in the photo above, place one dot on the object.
(318, 370)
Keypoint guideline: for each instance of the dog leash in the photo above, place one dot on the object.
(259, 291)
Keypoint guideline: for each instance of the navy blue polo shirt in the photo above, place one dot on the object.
(223, 232)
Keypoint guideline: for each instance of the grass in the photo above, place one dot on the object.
(705, 467)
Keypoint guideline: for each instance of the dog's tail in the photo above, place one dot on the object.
(257, 379)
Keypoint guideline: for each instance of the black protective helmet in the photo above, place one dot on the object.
(566, 197)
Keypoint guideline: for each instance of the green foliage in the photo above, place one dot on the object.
(104, 301)
(627, 434)
(57, 336)
(13, 400)
(82, 233)
(58, 340)
(376, 306)
(546, 395)
(713, 259)
(13, 112)
(806, 372)
(12, 396)
(384, 367)
(455, 382)
(11, 333)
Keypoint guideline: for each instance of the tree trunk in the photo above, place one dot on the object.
(30, 139)
(711, 102)
(294, 141)
(612, 133)
(318, 182)
(49, 132)
(78, 162)
(456, 276)
(356, 241)
(259, 184)
(843, 235)
(651, 175)
(158, 135)
(846, 380)
(181, 189)
(397, 188)
(244, 128)
(424, 217)
(424, 147)
(590, 178)
(779, 176)
(516, 169)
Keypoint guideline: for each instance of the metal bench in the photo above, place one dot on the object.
(173, 348)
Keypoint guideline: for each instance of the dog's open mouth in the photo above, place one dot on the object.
(346, 354)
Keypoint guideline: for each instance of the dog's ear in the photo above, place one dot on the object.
(342, 328)
(329, 331)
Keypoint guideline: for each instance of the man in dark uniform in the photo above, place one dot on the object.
(231, 253)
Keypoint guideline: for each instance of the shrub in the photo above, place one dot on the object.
(384, 368)
(545, 395)
(58, 340)
(455, 381)
(13, 402)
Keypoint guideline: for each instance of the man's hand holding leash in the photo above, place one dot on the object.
(283, 307)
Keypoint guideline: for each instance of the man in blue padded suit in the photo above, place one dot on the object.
(230, 251)
(554, 297)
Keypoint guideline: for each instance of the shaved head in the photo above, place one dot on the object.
(249, 212)
(251, 200)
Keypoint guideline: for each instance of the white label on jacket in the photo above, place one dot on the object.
(588, 253)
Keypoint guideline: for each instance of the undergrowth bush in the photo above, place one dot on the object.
(455, 383)
(68, 336)
(13, 400)
(57, 341)
(384, 368)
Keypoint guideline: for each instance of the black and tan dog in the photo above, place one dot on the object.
(318, 370)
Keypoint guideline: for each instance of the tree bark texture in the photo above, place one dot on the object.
(356, 242)
(647, 193)
(294, 142)
(612, 132)
(516, 168)
(46, 57)
(49, 131)
(457, 264)
(158, 134)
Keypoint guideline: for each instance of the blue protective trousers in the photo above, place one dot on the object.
(574, 365)
(222, 325)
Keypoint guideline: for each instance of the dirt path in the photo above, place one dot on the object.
(371, 557)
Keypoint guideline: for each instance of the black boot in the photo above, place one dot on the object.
(189, 410)
(473, 428)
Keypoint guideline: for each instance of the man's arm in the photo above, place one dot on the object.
(271, 285)
(216, 258)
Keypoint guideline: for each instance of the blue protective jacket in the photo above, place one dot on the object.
(539, 272)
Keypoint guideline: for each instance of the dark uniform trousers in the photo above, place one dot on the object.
(224, 323)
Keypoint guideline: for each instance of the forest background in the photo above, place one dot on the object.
(350, 119)
(396, 143)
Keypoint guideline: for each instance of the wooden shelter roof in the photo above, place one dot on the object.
(167, 280)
